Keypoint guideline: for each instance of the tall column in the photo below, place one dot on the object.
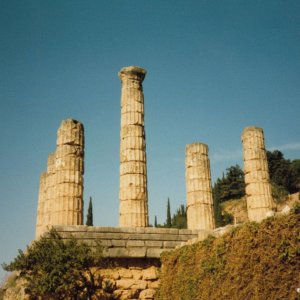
(133, 173)
(257, 181)
(68, 204)
(41, 205)
(200, 211)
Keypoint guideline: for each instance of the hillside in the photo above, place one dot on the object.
(238, 207)
(253, 261)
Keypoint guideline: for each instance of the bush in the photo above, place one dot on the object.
(57, 268)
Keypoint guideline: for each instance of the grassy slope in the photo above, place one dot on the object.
(254, 261)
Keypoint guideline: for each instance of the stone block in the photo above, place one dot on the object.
(135, 243)
(139, 285)
(132, 155)
(137, 274)
(147, 294)
(125, 273)
(133, 167)
(132, 131)
(130, 142)
(170, 244)
(124, 284)
(154, 252)
(116, 252)
(118, 243)
(124, 294)
(154, 244)
(132, 118)
(150, 273)
(137, 252)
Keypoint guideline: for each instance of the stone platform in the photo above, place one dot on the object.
(122, 242)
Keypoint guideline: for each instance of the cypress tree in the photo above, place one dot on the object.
(169, 218)
(89, 217)
(155, 221)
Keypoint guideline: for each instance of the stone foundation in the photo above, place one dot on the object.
(131, 278)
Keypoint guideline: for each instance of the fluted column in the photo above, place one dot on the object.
(50, 191)
(69, 154)
(41, 205)
(257, 181)
(133, 174)
(200, 212)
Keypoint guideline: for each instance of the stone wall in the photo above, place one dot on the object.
(131, 278)
(139, 242)
(133, 255)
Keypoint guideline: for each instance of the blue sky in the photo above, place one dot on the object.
(214, 67)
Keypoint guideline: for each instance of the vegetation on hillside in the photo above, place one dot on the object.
(284, 177)
(54, 268)
(253, 261)
(178, 220)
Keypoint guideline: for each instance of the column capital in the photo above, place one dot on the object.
(196, 147)
(252, 128)
(132, 72)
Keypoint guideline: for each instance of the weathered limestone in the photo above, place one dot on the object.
(200, 212)
(133, 173)
(258, 187)
(61, 187)
(68, 203)
(41, 204)
(50, 190)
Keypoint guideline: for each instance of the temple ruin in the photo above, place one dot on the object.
(200, 212)
(133, 171)
(257, 180)
(61, 187)
(135, 248)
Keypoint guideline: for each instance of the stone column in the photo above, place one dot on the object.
(68, 204)
(257, 181)
(133, 173)
(50, 191)
(41, 205)
(200, 210)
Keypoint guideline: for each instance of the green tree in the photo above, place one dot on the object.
(233, 185)
(279, 169)
(155, 221)
(89, 217)
(168, 223)
(283, 172)
(179, 219)
(58, 269)
(295, 176)
(216, 191)
(230, 186)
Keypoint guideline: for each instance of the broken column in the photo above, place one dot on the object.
(257, 180)
(41, 205)
(46, 197)
(50, 190)
(68, 203)
(133, 173)
(200, 211)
